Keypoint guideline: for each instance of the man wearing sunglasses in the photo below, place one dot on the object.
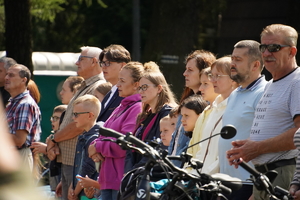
(112, 59)
(66, 137)
(277, 115)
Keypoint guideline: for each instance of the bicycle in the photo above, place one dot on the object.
(181, 184)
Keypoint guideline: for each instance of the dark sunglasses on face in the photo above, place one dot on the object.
(76, 114)
(271, 47)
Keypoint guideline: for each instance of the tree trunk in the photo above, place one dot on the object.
(18, 31)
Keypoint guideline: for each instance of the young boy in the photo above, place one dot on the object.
(85, 112)
(167, 127)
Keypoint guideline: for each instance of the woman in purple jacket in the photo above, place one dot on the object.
(123, 120)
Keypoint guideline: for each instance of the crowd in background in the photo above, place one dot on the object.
(127, 96)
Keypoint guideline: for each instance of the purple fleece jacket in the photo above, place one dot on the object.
(123, 120)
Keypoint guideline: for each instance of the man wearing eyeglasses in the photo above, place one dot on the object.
(277, 115)
(112, 59)
(246, 67)
(66, 137)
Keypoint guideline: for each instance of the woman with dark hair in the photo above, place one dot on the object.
(195, 63)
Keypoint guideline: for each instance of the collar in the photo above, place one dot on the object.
(19, 96)
(252, 85)
(92, 80)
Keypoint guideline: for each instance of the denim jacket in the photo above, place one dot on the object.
(83, 165)
(182, 144)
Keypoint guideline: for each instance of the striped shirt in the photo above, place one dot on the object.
(68, 147)
(274, 114)
(23, 113)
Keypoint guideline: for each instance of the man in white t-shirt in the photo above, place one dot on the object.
(277, 115)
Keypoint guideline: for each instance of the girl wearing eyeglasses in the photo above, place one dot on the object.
(157, 100)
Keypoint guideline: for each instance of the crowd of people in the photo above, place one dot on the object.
(127, 96)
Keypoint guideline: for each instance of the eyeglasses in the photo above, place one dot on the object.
(79, 58)
(144, 87)
(54, 118)
(105, 63)
(271, 47)
(212, 77)
(75, 114)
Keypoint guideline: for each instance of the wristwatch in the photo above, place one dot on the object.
(52, 138)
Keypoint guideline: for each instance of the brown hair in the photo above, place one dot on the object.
(74, 82)
(166, 96)
(60, 108)
(34, 91)
(203, 59)
(137, 70)
(104, 88)
(115, 53)
(223, 65)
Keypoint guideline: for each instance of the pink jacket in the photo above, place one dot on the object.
(123, 120)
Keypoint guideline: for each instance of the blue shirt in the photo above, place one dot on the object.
(83, 165)
(240, 113)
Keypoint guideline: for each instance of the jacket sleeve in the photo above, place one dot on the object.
(128, 122)
(88, 165)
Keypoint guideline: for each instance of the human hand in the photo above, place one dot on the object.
(53, 152)
(71, 194)
(98, 157)
(294, 191)
(245, 149)
(92, 150)
(58, 190)
(49, 143)
(39, 147)
(89, 192)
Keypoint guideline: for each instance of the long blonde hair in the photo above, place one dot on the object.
(166, 96)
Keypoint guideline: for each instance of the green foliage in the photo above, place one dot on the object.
(46, 10)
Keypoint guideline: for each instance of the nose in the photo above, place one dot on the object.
(77, 62)
(185, 73)
(201, 88)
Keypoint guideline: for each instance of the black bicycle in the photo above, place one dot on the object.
(180, 185)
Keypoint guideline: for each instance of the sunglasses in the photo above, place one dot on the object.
(271, 47)
(75, 114)
(144, 87)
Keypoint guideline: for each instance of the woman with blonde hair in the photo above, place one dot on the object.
(158, 100)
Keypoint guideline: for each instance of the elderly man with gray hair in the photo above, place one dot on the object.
(5, 63)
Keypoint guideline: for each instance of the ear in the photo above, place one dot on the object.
(136, 85)
(293, 51)
(160, 88)
(91, 115)
(255, 65)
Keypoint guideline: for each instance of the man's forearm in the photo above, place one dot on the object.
(282, 142)
(68, 132)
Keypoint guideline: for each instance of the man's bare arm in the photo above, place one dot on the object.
(68, 132)
(20, 137)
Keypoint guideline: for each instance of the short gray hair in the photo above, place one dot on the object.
(92, 51)
(8, 62)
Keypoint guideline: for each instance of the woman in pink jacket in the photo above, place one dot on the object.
(123, 120)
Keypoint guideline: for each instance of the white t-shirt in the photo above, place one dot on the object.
(274, 114)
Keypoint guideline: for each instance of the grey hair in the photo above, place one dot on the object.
(8, 62)
(92, 51)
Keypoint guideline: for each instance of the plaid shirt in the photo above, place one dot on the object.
(23, 113)
(68, 147)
